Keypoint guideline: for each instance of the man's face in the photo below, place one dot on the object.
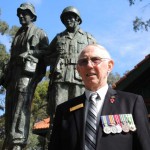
(94, 66)
(70, 21)
(25, 17)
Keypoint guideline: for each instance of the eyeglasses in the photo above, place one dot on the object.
(94, 60)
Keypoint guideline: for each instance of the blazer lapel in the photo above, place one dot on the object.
(79, 117)
(108, 104)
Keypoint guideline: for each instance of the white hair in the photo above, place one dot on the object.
(103, 50)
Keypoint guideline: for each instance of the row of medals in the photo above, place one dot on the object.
(118, 123)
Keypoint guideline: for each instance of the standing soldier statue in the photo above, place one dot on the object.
(25, 70)
(65, 83)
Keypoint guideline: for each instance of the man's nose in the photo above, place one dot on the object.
(89, 63)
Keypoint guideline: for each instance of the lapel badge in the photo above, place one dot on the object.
(112, 99)
(76, 107)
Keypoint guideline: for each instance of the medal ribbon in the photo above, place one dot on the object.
(117, 119)
(128, 117)
(111, 119)
(122, 118)
(104, 121)
(108, 121)
(131, 119)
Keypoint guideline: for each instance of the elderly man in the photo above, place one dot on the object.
(25, 69)
(65, 83)
(101, 118)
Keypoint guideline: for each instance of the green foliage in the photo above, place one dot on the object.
(39, 106)
(4, 56)
(33, 141)
(13, 31)
(113, 78)
(138, 23)
(40, 101)
(132, 2)
(3, 27)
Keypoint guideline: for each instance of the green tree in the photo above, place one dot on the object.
(13, 30)
(139, 23)
(40, 101)
(4, 55)
(6, 30)
(132, 2)
(39, 107)
(3, 27)
(113, 78)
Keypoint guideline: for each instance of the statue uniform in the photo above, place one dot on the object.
(24, 75)
(65, 81)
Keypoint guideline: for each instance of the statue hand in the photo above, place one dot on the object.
(24, 55)
(30, 52)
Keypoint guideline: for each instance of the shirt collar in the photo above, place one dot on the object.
(101, 92)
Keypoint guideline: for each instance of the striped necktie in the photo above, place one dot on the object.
(91, 124)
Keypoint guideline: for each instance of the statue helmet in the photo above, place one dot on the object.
(70, 9)
(27, 6)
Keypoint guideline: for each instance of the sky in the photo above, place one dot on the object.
(110, 22)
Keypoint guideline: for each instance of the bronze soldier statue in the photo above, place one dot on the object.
(65, 83)
(25, 70)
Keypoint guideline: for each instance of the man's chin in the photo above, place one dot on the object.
(91, 83)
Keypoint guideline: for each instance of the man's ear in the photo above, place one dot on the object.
(110, 65)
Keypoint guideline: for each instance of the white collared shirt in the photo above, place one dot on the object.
(102, 93)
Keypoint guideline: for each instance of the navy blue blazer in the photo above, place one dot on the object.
(69, 124)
